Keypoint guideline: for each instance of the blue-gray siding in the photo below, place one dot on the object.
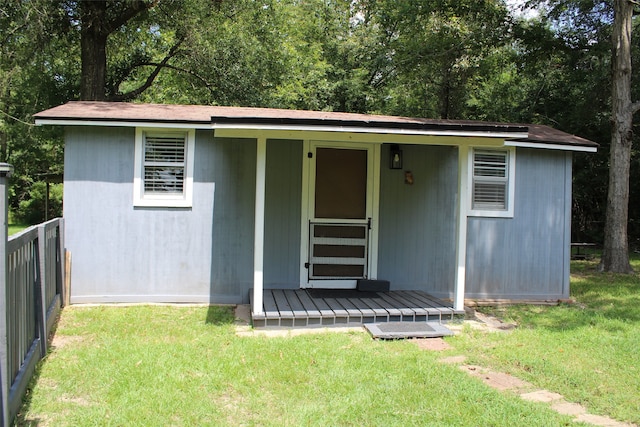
(230, 167)
(418, 222)
(282, 214)
(527, 256)
(123, 253)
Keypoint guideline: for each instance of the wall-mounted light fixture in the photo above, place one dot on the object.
(395, 157)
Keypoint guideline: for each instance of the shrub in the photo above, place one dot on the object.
(32, 210)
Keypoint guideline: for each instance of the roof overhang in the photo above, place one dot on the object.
(352, 128)
(299, 127)
(123, 123)
(550, 146)
(252, 120)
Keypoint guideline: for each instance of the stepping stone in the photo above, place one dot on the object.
(501, 381)
(601, 421)
(497, 380)
(569, 408)
(541, 396)
(403, 330)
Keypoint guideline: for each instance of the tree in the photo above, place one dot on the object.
(563, 65)
(441, 58)
(615, 257)
(35, 54)
(98, 19)
(434, 52)
(231, 54)
(588, 21)
(328, 57)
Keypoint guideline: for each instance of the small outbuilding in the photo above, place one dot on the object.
(207, 204)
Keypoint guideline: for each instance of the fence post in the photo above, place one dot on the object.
(5, 173)
(42, 279)
(60, 270)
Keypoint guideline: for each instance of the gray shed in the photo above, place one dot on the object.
(206, 204)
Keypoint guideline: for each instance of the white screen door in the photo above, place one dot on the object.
(340, 216)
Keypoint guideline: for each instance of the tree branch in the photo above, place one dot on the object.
(123, 17)
(635, 107)
(147, 84)
(206, 83)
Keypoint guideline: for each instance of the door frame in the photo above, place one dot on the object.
(308, 200)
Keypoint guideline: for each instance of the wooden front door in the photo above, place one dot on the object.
(340, 217)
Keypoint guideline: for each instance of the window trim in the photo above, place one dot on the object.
(510, 191)
(185, 199)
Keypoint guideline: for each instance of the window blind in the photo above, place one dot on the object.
(490, 180)
(164, 163)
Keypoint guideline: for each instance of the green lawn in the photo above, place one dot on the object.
(588, 351)
(15, 228)
(184, 366)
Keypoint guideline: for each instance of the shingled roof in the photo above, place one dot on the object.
(77, 112)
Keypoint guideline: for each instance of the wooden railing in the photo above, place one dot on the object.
(34, 295)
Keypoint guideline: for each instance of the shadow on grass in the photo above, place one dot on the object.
(21, 419)
(601, 299)
(571, 317)
(613, 295)
(220, 315)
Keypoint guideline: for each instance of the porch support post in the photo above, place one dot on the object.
(258, 245)
(461, 229)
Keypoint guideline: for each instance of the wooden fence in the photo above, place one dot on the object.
(34, 295)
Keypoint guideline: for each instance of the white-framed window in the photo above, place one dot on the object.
(492, 177)
(163, 173)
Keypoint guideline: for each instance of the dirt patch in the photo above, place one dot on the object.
(39, 421)
(233, 403)
(60, 341)
(454, 360)
(433, 344)
(47, 383)
(80, 401)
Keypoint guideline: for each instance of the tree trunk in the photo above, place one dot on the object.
(445, 93)
(615, 257)
(93, 48)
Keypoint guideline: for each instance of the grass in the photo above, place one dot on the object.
(587, 351)
(183, 366)
(153, 365)
(15, 228)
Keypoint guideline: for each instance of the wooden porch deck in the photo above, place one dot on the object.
(317, 307)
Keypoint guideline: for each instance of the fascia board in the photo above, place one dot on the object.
(578, 148)
(122, 123)
(357, 129)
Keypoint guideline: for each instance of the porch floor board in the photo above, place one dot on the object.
(301, 308)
